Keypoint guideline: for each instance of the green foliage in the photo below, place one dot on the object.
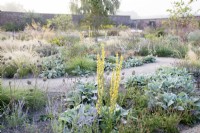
(61, 22)
(12, 27)
(10, 70)
(194, 37)
(34, 99)
(169, 88)
(132, 62)
(109, 66)
(53, 67)
(163, 51)
(144, 51)
(76, 50)
(180, 14)
(111, 59)
(95, 11)
(74, 119)
(65, 40)
(85, 93)
(80, 66)
(46, 50)
(17, 116)
(149, 59)
(167, 46)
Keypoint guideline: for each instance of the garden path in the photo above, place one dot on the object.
(64, 84)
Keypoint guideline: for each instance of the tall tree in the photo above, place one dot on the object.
(95, 11)
(182, 17)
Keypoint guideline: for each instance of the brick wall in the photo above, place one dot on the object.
(18, 17)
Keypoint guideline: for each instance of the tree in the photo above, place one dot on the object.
(181, 17)
(61, 22)
(95, 11)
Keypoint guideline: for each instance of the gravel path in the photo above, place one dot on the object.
(63, 84)
(195, 129)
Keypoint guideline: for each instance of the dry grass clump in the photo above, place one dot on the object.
(36, 31)
(17, 54)
(13, 45)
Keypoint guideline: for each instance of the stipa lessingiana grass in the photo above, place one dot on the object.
(100, 79)
(115, 82)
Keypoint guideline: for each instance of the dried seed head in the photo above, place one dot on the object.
(123, 73)
(18, 70)
(45, 79)
(133, 72)
(39, 65)
(63, 80)
(24, 66)
(41, 55)
(29, 82)
(9, 82)
(9, 57)
(66, 75)
(16, 75)
(122, 78)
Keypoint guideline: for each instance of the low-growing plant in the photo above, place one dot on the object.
(46, 50)
(34, 99)
(15, 116)
(65, 40)
(149, 59)
(85, 93)
(132, 62)
(76, 50)
(169, 88)
(80, 66)
(194, 37)
(53, 67)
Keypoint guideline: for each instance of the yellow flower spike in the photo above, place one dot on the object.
(115, 81)
(100, 79)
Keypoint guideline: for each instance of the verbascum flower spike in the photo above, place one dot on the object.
(115, 82)
(100, 79)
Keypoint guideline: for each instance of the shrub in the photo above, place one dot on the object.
(34, 99)
(194, 37)
(113, 32)
(149, 59)
(65, 40)
(144, 51)
(163, 51)
(80, 66)
(132, 62)
(76, 50)
(176, 91)
(61, 22)
(13, 27)
(46, 50)
(16, 57)
(53, 67)
(15, 116)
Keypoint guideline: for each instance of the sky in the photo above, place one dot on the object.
(142, 8)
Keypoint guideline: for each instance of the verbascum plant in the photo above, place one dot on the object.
(100, 79)
(115, 81)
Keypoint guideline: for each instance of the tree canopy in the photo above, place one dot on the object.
(95, 7)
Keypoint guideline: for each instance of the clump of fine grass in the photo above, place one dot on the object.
(34, 99)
